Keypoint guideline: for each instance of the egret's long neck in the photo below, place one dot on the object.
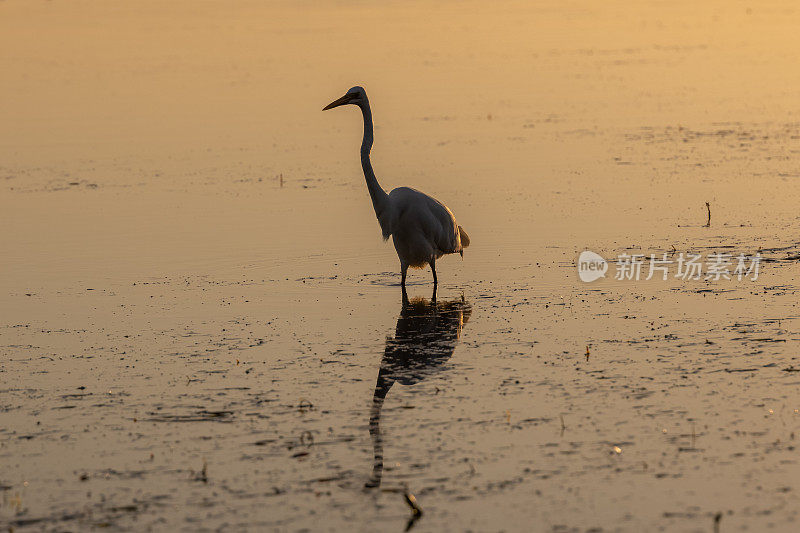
(381, 389)
(380, 200)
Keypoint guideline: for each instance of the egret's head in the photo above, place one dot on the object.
(356, 96)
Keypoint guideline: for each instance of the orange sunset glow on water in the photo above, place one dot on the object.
(217, 301)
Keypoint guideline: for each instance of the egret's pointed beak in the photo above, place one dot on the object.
(346, 99)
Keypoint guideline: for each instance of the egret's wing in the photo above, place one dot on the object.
(446, 234)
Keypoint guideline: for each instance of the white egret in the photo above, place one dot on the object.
(422, 228)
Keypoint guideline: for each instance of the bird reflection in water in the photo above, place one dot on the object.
(426, 336)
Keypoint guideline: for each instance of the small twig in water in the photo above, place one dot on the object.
(416, 510)
(708, 207)
(411, 522)
(717, 518)
(411, 500)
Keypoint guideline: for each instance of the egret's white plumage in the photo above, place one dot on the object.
(422, 228)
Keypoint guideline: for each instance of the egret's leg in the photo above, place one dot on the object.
(403, 270)
(433, 269)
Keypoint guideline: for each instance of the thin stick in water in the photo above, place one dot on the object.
(411, 500)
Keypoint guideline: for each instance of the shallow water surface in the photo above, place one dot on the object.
(200, 328)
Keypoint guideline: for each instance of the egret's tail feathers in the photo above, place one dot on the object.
(463, 236)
